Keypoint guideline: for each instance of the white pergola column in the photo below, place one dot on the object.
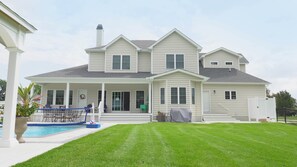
(102, 97)
(8, 139)
(150, 98)
(67, 95)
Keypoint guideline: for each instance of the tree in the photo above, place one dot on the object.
(284, 100)
(2, 89)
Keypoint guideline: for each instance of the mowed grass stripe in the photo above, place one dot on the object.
(179, 144)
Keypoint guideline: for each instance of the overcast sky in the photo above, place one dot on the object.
(264, 31)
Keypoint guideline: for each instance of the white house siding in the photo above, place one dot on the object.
(221, 57)
(177, 80)
(121, 47)
(174, 44)
(237, 108)
(156, 100)
(242, 67)
(144, 62)
(96, 61)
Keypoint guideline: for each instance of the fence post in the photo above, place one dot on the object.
(285, 115)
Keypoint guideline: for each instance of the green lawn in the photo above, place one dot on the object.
(179, 144)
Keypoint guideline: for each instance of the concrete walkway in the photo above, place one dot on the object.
(37, 146)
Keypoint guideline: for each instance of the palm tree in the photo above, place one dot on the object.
(27, 105)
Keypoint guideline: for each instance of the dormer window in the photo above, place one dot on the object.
(174, 61)
(214, 63)
(121, 62)
(229, 63)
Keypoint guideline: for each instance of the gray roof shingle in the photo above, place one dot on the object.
(229, 75)
(142, 44)
(82, 72)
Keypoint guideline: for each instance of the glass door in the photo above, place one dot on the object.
(120, 101)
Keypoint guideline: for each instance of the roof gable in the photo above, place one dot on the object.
(179, 33)
(181, 71)
(221, 49)
(118, 38)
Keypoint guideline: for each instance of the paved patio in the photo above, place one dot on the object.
(37, 146)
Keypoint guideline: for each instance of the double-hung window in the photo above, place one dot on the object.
(229, 63)
(175, 61)
(230, 95)
(178, 95)
(121, 62)
(57, 97)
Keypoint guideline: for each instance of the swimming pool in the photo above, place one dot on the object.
(42, 131)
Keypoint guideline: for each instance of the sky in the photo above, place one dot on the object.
(264, 31)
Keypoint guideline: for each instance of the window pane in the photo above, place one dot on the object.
(126, 62)
(182, 96)
(214, 63)
(70, 97)
(116, 62)
(233, 95)
(50, 97)
(170, 61)
(173, 95)
(229, 63)
(116, 101)
(179, 61)
(162, 94)
(227, 95)
(59, 97)
(139, 98)
(193, 95)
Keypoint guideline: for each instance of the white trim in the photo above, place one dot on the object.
(55, 96)
(178, 95)
(120, 37)
(121, 63)
(152, 62)
(236, 83)
(223, 49)
(166, 96)
(13, 15)
(181, 34)
(201, 99)
(179, 70)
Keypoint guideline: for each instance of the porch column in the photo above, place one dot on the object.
(8, 139)
(67, 95)
(32, 91)
(102, 97)
(201, 99)
(41, 93)
(150, 98)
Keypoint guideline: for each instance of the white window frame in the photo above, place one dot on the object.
(174, 60)
(229, 62)
(121, 61)
(161, 96)
(230, 94)
(178, 94)
(214, 62)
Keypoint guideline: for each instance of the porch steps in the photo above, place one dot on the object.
(218, 118)
(125, 117)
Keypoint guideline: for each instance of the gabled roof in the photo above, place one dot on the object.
(221, 49)
(179, 70)
(118, 38)
(17, 18)
(181, 34)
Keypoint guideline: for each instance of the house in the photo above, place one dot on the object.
(171, 72)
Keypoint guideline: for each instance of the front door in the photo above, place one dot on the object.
(206, 102)
(82, 98)
(120, 101)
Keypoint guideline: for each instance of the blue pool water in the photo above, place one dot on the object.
(41, 131)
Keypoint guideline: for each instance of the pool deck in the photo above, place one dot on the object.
(37, 146)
